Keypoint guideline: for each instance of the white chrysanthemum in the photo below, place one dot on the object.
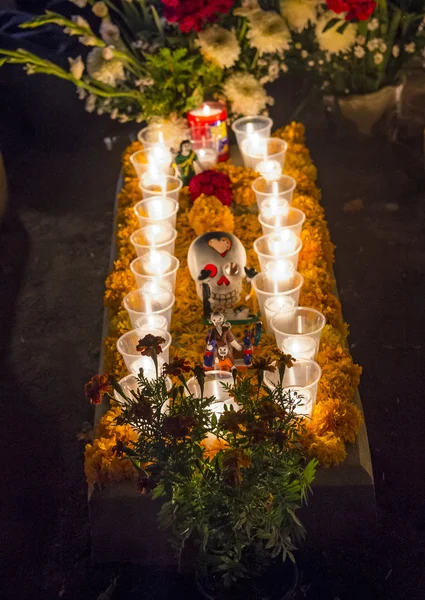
(106, 71)
(219, 46)
(246, 95)
(100, 9)
(372, 45)
(331, 40)
(299, 13)
(268, 33)
(396, 51)
(361, 40)
(410, 48)
(378, 58)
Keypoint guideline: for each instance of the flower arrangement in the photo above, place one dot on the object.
(336, 419)
(354, 47)
(231, 476)
(159, 59)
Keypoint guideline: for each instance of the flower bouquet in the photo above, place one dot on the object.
(160, 58)
(230, 471)
(356, 52)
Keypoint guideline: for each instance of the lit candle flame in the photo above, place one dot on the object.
(250, 129)
(206, 110)
(161, 138)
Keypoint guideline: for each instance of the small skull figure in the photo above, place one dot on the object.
(224, 362)
(217, 262)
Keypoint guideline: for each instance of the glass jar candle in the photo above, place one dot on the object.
(212, 116)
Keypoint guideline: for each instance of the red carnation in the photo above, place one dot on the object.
(194, 14)
(211, 183)
(357, 10)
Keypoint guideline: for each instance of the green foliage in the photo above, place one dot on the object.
(231, 483)
(181, 81)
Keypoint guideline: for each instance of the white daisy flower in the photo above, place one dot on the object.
(360, 40)
(410, 48)
(372, 45)
(396, 51)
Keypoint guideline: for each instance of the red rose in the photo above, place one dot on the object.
(211, 183)
(360, 11)
(357, 10)
(194, 14)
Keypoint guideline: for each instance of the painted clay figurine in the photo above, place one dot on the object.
(222, 336)
(184, 162)
(223, 360)
(209, 354)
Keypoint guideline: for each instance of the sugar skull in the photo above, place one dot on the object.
(219, 259)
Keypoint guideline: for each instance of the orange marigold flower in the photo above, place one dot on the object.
(177, 366)
(340, 417)
(209, 214)
(328, 449)
(98, 386)
(150, 344)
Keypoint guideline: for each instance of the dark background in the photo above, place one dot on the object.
(54, 254)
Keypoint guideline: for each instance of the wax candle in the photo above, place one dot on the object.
(280, 269)
(207, 158)
(159, 157)
(299, 346)
(281, 243)
(304, 399)
(268, 168)
(212, 116)
(148, 322)
(155, 263)
(274, 305)
(148, 366)
(156, 234)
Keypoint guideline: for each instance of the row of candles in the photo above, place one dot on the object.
(297, 329)
(277, 286)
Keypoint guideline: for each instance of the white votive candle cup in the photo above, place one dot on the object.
(276, 304)
(294, 222)
(300, 346)
(303, 379)
(266, 286)
(247, 126)
(157, 210)
(160, 236)
(297, 323)
(167, 278)
(214, 383)
(142, 305)
(282, 245)
(282, 188)
(126, 346)
(161, 185)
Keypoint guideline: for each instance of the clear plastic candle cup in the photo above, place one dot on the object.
(126, 346)
(214, 386)
(283, 246)
(158, 268)
(158, 235)
(130, 384)
(281, 188)
(247, 126)
(151, 321)
(163, 134)
(157, 210)
(139, 160)
(298, 330)
(258, 151)
(268, 286)
(139, 303)
(276, 304)
(294, 221)
(161, 185)
(302, 381)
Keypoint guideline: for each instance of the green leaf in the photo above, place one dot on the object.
(158, 491)
(330, 24)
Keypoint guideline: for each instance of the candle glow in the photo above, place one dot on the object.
(269, 169)
(156, 263)
(299, 346)
(281, 243)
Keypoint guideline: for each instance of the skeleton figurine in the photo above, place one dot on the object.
(251, 338)
(220, 336)
(223, 360)
(217, 263)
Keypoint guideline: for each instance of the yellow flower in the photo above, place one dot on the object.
(340, 417)
(209, 214)
(328, 449)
